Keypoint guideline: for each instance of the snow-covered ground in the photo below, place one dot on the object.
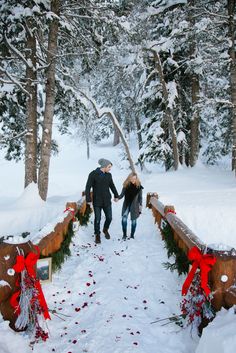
(111, 294)
(204, 199)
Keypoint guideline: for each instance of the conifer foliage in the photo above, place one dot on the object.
(164, 68)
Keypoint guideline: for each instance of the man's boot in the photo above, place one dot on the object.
(107, 235)
(124, 235)
(97, 239)
(132, 236)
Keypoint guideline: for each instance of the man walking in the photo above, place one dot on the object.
(100, 180)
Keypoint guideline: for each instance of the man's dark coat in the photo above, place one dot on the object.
(101, 183)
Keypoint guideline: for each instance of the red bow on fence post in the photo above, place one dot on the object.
(204, 263)
(72, 211)
(29, 264)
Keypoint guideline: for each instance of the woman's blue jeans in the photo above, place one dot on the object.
(124, 223)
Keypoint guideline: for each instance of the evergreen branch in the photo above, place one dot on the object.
(13, 137)
(14, 81)
(17, 52)
(206, 12)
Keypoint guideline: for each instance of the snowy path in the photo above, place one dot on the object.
(112, 292)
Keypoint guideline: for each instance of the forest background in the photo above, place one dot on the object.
(164, 70)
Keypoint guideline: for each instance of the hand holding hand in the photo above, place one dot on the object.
(116, 199)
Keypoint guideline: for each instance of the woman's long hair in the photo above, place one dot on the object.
(127, 181)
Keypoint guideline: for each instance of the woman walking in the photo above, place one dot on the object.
(132, 191)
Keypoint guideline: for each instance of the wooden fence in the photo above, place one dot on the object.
(8, 252)
(222, 277)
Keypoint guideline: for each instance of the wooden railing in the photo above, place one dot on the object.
(222, 277)
(8, 252)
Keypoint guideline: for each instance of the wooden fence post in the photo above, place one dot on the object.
(222, 277)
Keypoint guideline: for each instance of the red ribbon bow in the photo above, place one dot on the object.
(204, 263)
(71, 210)
(170, 211)
(29, 264)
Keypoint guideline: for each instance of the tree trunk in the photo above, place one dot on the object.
(116, 139)
(194, 124)
(107, 111)
(123, 139)
(49, 104)
(31, 108)
(139, 135)
(231, 11)
(195, 89)
(87, 147)
(138, 126)
(168, 112)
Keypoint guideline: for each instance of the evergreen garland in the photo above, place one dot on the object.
(182, 262)
(83, 218)
(60, 255)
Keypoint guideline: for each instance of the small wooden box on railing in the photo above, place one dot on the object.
(222, 277)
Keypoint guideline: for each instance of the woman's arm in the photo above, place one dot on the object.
(122, 194)
(140, 196)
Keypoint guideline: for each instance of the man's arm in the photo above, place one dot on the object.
(89, 184)
(113, 189)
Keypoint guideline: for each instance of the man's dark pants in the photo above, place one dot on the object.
(97, 217)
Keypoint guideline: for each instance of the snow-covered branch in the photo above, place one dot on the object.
(15, 81)
(6, 140)
(206, 12)
(100, 112)
(17, 52)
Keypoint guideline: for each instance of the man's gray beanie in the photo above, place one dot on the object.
(104, 162)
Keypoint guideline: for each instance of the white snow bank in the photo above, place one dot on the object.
(219, 336)
(12, 341)
(29, 213)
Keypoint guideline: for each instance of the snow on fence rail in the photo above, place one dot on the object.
(222, 277)
(8, 252)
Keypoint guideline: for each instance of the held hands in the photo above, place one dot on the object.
(116, 199)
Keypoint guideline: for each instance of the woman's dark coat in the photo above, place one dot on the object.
(135, 205)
